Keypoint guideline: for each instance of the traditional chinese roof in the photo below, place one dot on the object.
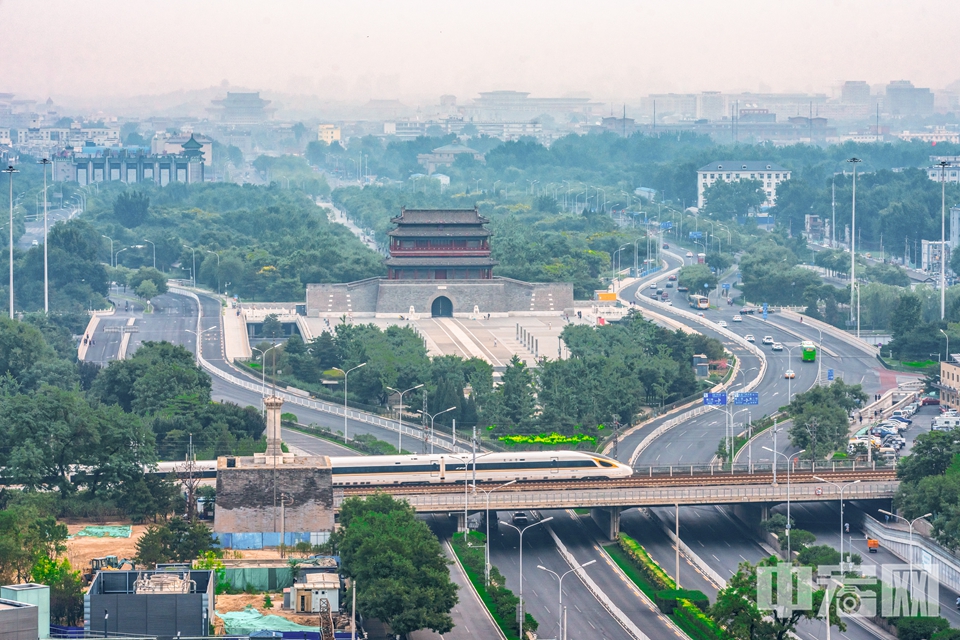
(440, 262)
(439, 216)
(452, 231)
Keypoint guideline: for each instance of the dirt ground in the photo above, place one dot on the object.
(227, 603)
(81, 550)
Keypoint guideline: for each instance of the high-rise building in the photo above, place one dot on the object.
(904, 99)
(711, 105)
(855, 92)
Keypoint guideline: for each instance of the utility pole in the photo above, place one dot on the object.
(853, 235)
(46, 272)
(423, 420)
(10, 171)
(833, 208)
(943, 237)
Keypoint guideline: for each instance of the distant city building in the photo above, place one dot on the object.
(711, 105)
(955, 228)
(242, 108)
(756, 115)
(328, 133)
(676, 106)
(855, 92)
(131, 165)
(902, 98)
(516, 106)
(950, 174)
(49, 140)
(770, 174)
(445, 156)
(164, 144)
(813, 227)
(622, 126)
(937, 135)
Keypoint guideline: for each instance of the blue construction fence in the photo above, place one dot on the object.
(243, 541)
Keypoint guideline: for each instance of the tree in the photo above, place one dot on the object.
(66, 589)
(147, 290)
(725, 200)
(906, 318)
(695, 276)
(398, 564)
(148, 274)
(131, 208)
(175, 541)
(272, 327)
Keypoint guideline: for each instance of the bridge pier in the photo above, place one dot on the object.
(608, 519)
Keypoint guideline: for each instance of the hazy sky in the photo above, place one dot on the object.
(415, 50)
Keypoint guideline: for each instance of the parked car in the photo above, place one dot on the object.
(929, 400)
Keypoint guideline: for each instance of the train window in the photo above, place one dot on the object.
(604, 463)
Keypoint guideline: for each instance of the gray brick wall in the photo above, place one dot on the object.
(245, 496)
(19, 622)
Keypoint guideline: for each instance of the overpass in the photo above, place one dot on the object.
(607, 498)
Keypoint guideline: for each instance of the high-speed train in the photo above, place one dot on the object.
(445, 468)
(490, 467)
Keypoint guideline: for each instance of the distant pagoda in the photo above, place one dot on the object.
(440, 244)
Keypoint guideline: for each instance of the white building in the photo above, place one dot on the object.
(770, 174)
(950, 174)
(328, 133)
(937, 135)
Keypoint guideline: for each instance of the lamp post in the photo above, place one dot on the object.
(790, 368)
(154, 252)
(431, 423)
(486, 570)
(560, 577)
(520, 531)
(943, 237)
(111, 248)
(786, 459)
(198, 334)
(345, 374)
(116, 256)
(853, 234)
(841, 489)
(948, 343)
(218, 269)
(910, 523)
(400, 430)
(10, 171)
(194, 272)
(46, 272)
(263, 373)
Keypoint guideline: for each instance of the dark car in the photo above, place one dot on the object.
(682, 289)
(520, 519)
(666, 246)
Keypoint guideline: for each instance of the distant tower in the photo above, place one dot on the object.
(274, 450)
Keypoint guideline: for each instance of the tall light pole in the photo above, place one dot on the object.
(46, 271)
(853, 234)
(786, 459)
(193, 273)
(400, 430)
(486, 571)
(943, 237)
(520, 531)
(790, 368)
(116, 256)
(263, 373)
(910, 523)
(111, 249)
(10, 171)
(431, 423)
(840, 488)
(560, 577)
(345, 374)
(198, 334)
(154, 252)
(218, 269)
(948, 343)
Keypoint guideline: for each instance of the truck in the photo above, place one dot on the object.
(872, 544)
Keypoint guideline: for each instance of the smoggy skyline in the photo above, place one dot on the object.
(612, 50)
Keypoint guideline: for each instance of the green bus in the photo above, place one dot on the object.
(809, 351)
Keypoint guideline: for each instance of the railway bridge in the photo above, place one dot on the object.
(607, 498)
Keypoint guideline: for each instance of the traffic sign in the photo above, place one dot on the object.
(747, 398)
(829, 374)
(696, 235)
(666, 225)
(715, 399)
(765, 307)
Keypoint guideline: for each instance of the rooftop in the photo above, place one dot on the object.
(445, 261)
(433, 232)
(439, 216)
(454, 148)
(742, 165)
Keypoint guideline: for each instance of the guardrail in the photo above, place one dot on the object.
(359, 416)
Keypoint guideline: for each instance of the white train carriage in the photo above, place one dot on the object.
(490, 467)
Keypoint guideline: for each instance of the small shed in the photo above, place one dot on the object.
(306, 596)
(701, 365)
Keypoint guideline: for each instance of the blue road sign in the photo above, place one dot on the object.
(747, 398)
(715, 399)
(726, 285)
(666, 225)
(829, 374)
(765, 306)
(696, 235)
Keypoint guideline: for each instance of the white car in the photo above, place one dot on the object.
(777, 346)
(790, 374)
(767, 340)
(689, 254)
(721, 323)
(738, 318)
(653, 285)
(749, 338)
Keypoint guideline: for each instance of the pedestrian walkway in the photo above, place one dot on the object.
(236, 343)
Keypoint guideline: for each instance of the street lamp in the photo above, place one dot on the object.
(194, 272)
(790, 368)
(948, 343)
(218, 269)
(841, 489)
(943, 236)
(10, 171)
(400, 430)
(154, 252)
(560, 577)
(786, 459)
(853, 234)
(345, 374)
(116, 256)
(487, 550)
(431, 423)
(911, 523)
(46, 272)
(263, 372)
(520, 531)
(198, 334)
(111, 248)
